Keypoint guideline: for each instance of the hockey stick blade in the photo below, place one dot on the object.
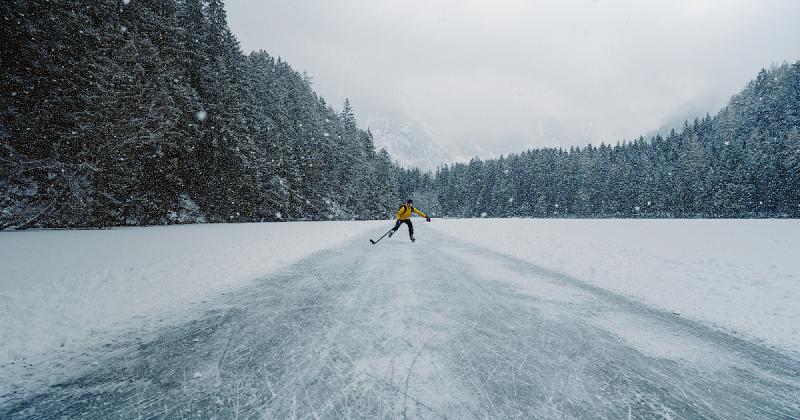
(379, 239)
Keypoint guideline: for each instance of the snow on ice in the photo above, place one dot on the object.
(65, 292)
(739, 275)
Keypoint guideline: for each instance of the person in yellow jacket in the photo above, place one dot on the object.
(404, 216)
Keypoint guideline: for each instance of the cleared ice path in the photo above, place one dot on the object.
(439, 328)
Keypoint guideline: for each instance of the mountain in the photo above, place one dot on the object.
(408, 143)
(697, 108)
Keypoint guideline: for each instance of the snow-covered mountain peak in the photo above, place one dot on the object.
(408, 143)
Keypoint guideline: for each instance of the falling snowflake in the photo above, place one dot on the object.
(201, 115)
(278, 215)
(483, 214)
(511, 199)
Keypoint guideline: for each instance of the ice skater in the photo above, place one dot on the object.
(404, 216)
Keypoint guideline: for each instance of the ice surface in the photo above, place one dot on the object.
(64, 291)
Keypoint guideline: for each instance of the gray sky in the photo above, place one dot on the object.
(492, 77)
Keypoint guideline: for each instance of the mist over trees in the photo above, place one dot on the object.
(743, 162)
(147, 112)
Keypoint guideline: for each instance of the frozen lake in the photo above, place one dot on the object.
(476, 319)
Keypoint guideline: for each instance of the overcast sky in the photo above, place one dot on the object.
(493, 77)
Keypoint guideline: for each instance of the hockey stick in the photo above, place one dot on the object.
(379, 239)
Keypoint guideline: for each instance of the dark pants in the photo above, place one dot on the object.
(408, 222)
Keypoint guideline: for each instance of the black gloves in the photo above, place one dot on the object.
(427, 218)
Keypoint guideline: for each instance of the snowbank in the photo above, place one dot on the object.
(70, 289)
(740, 275)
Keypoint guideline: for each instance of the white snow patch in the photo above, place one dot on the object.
(740, 275)
(649, 338)
(531, 284)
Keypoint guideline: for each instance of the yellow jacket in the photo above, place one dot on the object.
(405, 210)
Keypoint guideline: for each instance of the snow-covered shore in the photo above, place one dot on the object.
(740, 275)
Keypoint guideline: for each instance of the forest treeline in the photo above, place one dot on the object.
(139, 112)
(147, 112)
(743, 162)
